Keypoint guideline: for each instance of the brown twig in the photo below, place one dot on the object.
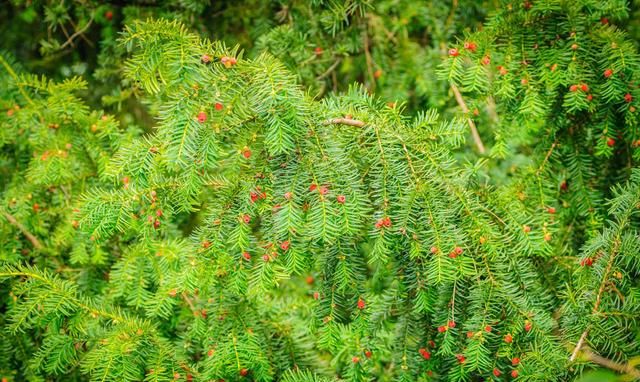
(330, 69)
(472, 125)
(12, 220)
(344, 121)
(76, 34)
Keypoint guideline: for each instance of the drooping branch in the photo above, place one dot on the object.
(619, 367)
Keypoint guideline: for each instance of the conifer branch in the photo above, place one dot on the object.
(472, 125)
(31, 237)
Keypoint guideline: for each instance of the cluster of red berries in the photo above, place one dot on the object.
(470, 46)
(257, 194)
(574, 88)
(228, 61)
(384, 222)
(444, 328)
(323, 190)
(457, 251)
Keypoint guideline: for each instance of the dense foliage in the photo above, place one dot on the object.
(319, 190)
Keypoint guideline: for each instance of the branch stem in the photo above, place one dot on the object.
(14, 222)
(472, 125)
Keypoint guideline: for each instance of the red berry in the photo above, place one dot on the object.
(453, 52)
(318, 51)
(377, 74)
(253, 196)
(316, 295)
(469, 334)
(309, 280)
(514, 373)
(461, 358)
(246, 153)
(156, 224)
(451, 324)
(458, 250)
(584, 87)
(205, 59)
(173, 292)
(628, 98)
(604, 21)
(589, 97)
(611, 142)
(285, 245)
(573, 88)
(244, 372)
(486, 60)
(108, 15)
(246, 255)
(551, 210)
(246, 218)
(487, 328)
(202, 117)
(586, 262)
(527, 326)
(324, 190)
(312, 187)
(442, 329)
(503, 71)
(574, 46)
(210, 352)
(176, 376)
(288, 195)
(526, 229)
(355, 359)
(361, 303)
(368, 354)
(508, 338)
(608, 73)
(515, 361)
(424, 353)
(159, 213)
(434, 250)
(341, 199)
(218, 106)
(265, 258)
(496, 372)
